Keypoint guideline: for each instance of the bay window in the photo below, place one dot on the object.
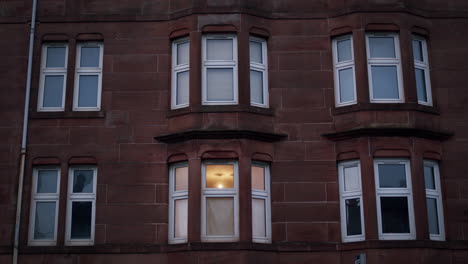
(395, 213)
(258, 72)
(178, 203)
(384, 68)
(351, 204)
(180, 73)
(421, 70)
(220, 201)
(261, 211)
(343, 61)
(435, 217)
(219, 77)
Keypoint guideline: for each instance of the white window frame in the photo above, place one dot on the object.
(261, 67)
(220, 64)
(385, 62)
(437, 195)
(424, 66)
(43, 197)
(346, 195)
(220, 193)
(264, 195)
(395, 192)
(177, 69)
(337, 66)
(80, 197)
(60, 71)
(173, 196)
(79, 71)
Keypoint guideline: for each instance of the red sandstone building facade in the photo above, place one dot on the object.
(234, 131)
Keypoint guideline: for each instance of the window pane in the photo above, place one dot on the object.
(258, 178)
(395, 218)
(385, 82)
(55, 57)
(353, 217)
(344, 50)
(180, 218)
(382, 47)
(220, 84)
(256, 52)
(220, 176)
(417, 50)
(88, 91)
(421, 85)
(83, 181)
(47, 181)
(81, 220)
(432, 216)
(53, 91)
(89, 57)
(392, 175)
(181, 179)
(219, 216)
(44, 224)
(219, 49)
(258, 218)
(429, 177)
(182, 88)
(183, 53)
(346, 78)
(351, 179)
(256, 87)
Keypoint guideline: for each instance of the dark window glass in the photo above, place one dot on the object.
(83, 181)
(353, 216)
(81, 220)
(392, 176)
(395, 217)
(432, 216)
(429, 177)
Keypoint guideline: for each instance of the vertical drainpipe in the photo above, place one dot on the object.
(19, 200)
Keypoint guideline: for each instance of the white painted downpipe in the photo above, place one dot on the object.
(22, 165)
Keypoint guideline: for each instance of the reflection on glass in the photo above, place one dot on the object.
(182, 87)
(256, 87)
(219, 49)
(81, 220)
(183, 53)
(353, 217)
(346, 78)
(344, 50)
(220, 176)
(258, 178)
(429, 177)
(220, 84)
(392, 175)
(255, 52)
(83, 181)
(55, 57)
(47, 181)
(351, 178)
(385, 82)
(89, 57)
(432, 216)
(53, 91)
(219, 216)
(44, 223)
(180, 218)
(382, 47)
(88, 91)
(395, 217)
(258, 218)
(181, 178)
(421, 85)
